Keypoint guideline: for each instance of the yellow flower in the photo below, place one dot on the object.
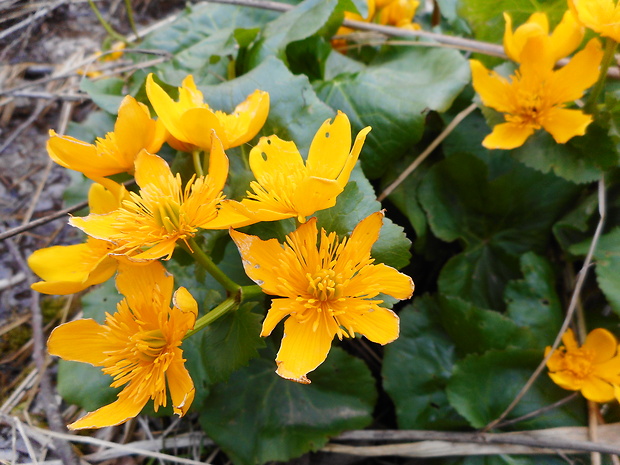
(190, 120)
(565, 38)
(327, 290)
(593, 369)
(138, 345)
(66, 269)
(535, 96)
(115, 52)
(149, 224)
(602, 16)
(399, 13)
(285, 187)
(134, 131)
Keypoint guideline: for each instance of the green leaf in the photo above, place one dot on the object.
(392, 94)
(301, 22)
(230, 342)
(258, 416)
(101, 300)
(106, 93)
(482, 386)
(296, 113)
(575, 225)
(417, 367)
(582, 159)
(474, 329)
(496, 220)
(607, 259)
(84, 385)
(533, 302)
(354, 204)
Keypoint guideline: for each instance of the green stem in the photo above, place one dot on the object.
(230, 304)
(205, 261)
(245, 156)
(104, 23)
(250, 292)
(132, 23)
(197, 162)
(608, 57)
(232, 74)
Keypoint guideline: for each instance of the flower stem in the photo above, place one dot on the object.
(205, 261)
(230, 304)
(104, 23)
(197, 162)
(608, 56)
(132, 22)
(250, 292)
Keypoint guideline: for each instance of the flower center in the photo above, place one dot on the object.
(324, 285)
(579, 362)
(149, 344)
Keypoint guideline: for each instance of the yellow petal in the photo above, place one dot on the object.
(80, 156)
(330, 148)
(231, 214)
(181, 387)
(380, 279)
(303, 348)
(197, 124)
(363, 237)
(137, 283)
(184, 301)
(262, 211)
(162, 249)
(565, 124)
(493, 89)
(536, 26)
(566, 380)
(107, 197)
(343, 177)
(608, 369)
(280, 308)
(274, 155)
(247, 119)
(168, 111)
(570, 82)
(152, 169)
(379, 325)
(602, 343)
(97, 226)
(314, 194)
(80, 341)
(569, 341)
(218, 164)
(116, 413)
(597, 390)
(260, 260)
(507, 136)
(567, 36)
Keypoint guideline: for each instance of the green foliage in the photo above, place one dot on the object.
(278, 419)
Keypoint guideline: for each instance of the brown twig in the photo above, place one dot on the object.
(432, 146)
(539, 411)
(602, 208)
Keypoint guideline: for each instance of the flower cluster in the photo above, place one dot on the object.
(329, 289)
(593, 368)
(535, 96)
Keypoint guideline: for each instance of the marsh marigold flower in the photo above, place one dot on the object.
(150, 222)
(565, 38)
(190, 120)
(66, 269)
(134, 131)
(327, 289)
(536, 94)
(287, 187)
(139, 345)
(593, 368)
(398, 13)
(602, 16)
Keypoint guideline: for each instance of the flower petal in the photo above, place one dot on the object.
(378, 324)
(106, 197)
(570, 82)
(125, 407)
(260, 260)
(168, 111)
(493, 89)
(603, 344)
(380, 279)
(218, 164)
(565, 124)
(363, 237)
(184, 301)
(567, 36)
(98, 226)
(597, 390)
(345, 174)
(330, 148)
(181, 387)
(152, 169)
(303, 348)
(567, 380)
(231, 214)
(508, 136)
(280, 308)
(197, 124)
(137, 283)
(314, 194)
(569, 341)
(247, 119)
(80, 341)
(274, 155)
